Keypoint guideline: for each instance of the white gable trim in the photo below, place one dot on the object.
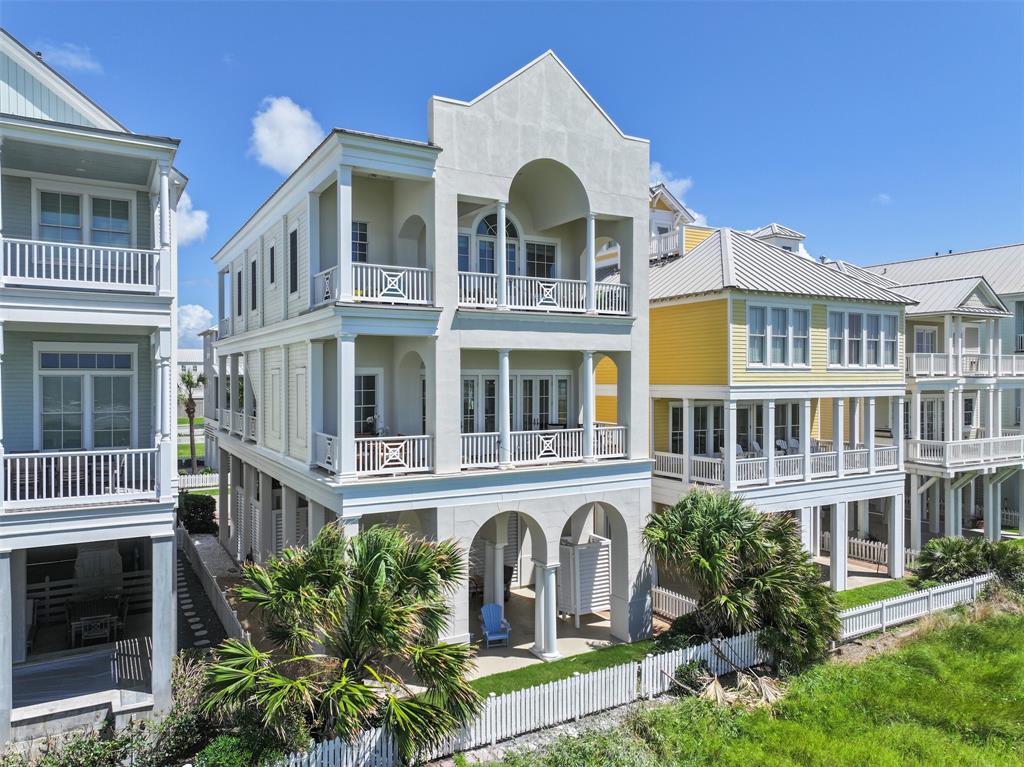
(514, 75)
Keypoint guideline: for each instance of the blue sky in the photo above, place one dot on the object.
(881, 130)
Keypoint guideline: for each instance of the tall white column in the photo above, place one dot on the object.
(504, 416)
(165, 204)
(993, 514)
(266, 484)
(539, 583)
(863, 519)
(869, 430)
(730, 443)
(346, 408)
(501, 256)
(856, 412)
(689, 407)
(952, 510)
(934, 523)
(915, 512)
(315, 518)
(164, 607)
(915, 415)
(840, 544)
(997, 416)
(769, 440)
(6, 648)
(344, 181)
(1, 400)
(838, 436)
(498, 576)
(591, 266)
(896, 544)
(1, 208)
(550, 612)
(224, 498)
(289, 508)
(950, 417)
(807, 528)
(958, 424)
(588, 406)
(805, 437)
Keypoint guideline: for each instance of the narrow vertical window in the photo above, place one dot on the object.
(360, 242)
(273, 267)
(293, 261)
(253, 286)
(756, 336)
(854, 338)
(873, 323)
(676, 434)
(780, 337)
(835, 338)
(463, 252)
(891, 336)
(801, 337)
(239, 293)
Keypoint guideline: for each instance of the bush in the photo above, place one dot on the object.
(97, 749)
(186, 727)
(224, 751)
(198, 513)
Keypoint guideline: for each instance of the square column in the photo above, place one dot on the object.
(345, 450)
(266, 516)
(769, 440)
(164, 609)
(815, 531)
(838, 437)
(805, 437)
(588, 406)
(807, 529)
(315, 515)
(896, 539)
(224, 498)
(993, 515)
(729, 469)
(344, 181)
(870, 434)
(915, 512)
(289, 508)
(933, 508)
(504, 414)
(953, 522)
(915, 416)
(501, 256)
(901, 444)
(863, 519)
(855, 423)
(6, 648)
(591, 266)
(840, 545)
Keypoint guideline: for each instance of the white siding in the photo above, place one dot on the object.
(298, 400)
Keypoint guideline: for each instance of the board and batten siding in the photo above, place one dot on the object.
(144, 213)
(298, 301)
(17, 206)
(22, 94)
(298, 400)
(270, 402)
(19, 388)
(689, 343)
(819, 371)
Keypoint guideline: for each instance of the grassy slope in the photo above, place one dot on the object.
(953, 697)
(873, 593)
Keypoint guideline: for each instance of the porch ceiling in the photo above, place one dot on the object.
(86, 165)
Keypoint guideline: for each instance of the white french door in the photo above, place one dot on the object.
(535, 405)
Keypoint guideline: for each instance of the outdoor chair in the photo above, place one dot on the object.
(780, 445)
(794, 445)
(755, 448)
(495, 628)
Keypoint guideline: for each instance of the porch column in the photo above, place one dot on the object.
(947, 331)
(689, 407)
(769, 439)
(815, 531)
(501, 256)
(249, 496)
(950, 419)
(2, 223)
(838, 438)
(237, 501)
(840, 544)
(504, 416)
(915, 416)
(591, 267)
(958, 424)
(953, 522)
(960, 345)
(539, 582)
(314, 519)
(856, 437)
(1, 398)
(896, 544)
(588, 406)
(232, 391)
(164, 607)
(224, 498)
(915, 512)
(345, 449)
(805, 436)
(19, 588)
(807, 529)
(289, 510)
(997, 415)
(863, 519)
(993, 514)
(901, 444)
(729, 468)
(165, 204)
(869, 429)
(6, 648)
(266, 516)
(933, 511)
(344, 232)
(550, 612)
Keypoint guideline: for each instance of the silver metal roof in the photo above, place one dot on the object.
(862, 274)
(731, 259)
(778, 230)
(1002, 266)
(966, 295)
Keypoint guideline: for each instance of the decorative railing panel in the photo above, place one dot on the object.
(392, 284)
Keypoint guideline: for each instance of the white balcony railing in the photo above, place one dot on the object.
(1011, 365)
(40, 479)
(325, 451)
(789, 467)
(546, 446)
(394, 455)
(855, 461)
(751, 471)
(670, 465)
(250, 428)
(225, 419)
(966, 451)
(325, 286)
(707, 470)
(93, 267)
(479, 449)
(609, 441)
(966, 365)
(237, 422)
(392, 284)
(667, 243)
(480, 290)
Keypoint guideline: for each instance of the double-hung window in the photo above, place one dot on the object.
(873, 324)
(360, 242)
(861, 339)
(891, 342)
(801, 336)
(836, 338)
(778, 336)
(700, 430)
(854, 339)
(676, 433)
(60, 217)
(110, 222)
(756, 336)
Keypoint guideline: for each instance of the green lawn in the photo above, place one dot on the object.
(214, 491)
(185, 452)
(952, 697)
(873, 593)
(539, 673)
(199, 421)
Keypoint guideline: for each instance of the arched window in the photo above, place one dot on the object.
(488, 227)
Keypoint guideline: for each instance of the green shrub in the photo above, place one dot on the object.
(945, 560)
(224, 751)
(98, 749)
(186, 728)
(198, 513)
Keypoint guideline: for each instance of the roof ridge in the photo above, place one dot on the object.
(727, 265)
(945, 255)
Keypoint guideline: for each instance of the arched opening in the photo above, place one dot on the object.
(412, 243)
(410, 395)
(550, 192)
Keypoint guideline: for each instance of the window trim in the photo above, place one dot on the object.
(254, 282)
(379, 410)
(864, 312)
(768, 307)
(86, 193)
(271, 258)
(38, 347)
(293, 261)
(366, 225)
(520, 243)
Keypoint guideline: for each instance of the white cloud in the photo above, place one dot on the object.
(192, 223)
(883, 198)
(69, 56)
(678, 186)
(193, 319)
(283, 134)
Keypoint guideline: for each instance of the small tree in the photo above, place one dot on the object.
(750, 574)
(354, 627)
(190, 382)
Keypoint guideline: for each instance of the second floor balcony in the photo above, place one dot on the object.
(377, 283)
(480, 290)
(965, 365)
(976, 450)
(37, 263)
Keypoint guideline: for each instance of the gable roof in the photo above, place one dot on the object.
(548, 54)
(861, 273)
(79, 106)
(777, 230)
(1002, 267)
(661, 191)
(732, 259)
(964, 295)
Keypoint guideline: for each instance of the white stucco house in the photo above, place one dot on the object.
(87, 328)
(419, 322)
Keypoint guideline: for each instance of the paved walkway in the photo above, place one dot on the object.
(198, 624)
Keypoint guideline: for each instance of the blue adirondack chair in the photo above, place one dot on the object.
(495, 628)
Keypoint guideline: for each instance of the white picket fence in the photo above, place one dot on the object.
(669, 604)
(225, 612)
(1011, 518)
(875, 552)
(198, 481)
(878, 616)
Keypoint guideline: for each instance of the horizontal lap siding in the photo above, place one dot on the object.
(819, 371)
(689, 343)
(661, 424)
(606, 372)
(607, 409)
(695, 235)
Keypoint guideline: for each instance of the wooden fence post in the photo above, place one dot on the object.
(491, 697)
(577, 697)
(645, 670)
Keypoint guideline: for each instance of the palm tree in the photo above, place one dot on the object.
(749, 572)
(353, 626)
(190, 382)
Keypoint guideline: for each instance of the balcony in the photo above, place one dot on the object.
(1007, 448)
(35, 480)
(377, 283)
(667, 244)
(378, 456)
(479, 290)
(964, 365)
(82, 267)
(532, 448)
(752, 471)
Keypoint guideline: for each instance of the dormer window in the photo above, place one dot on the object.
(788, 247)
